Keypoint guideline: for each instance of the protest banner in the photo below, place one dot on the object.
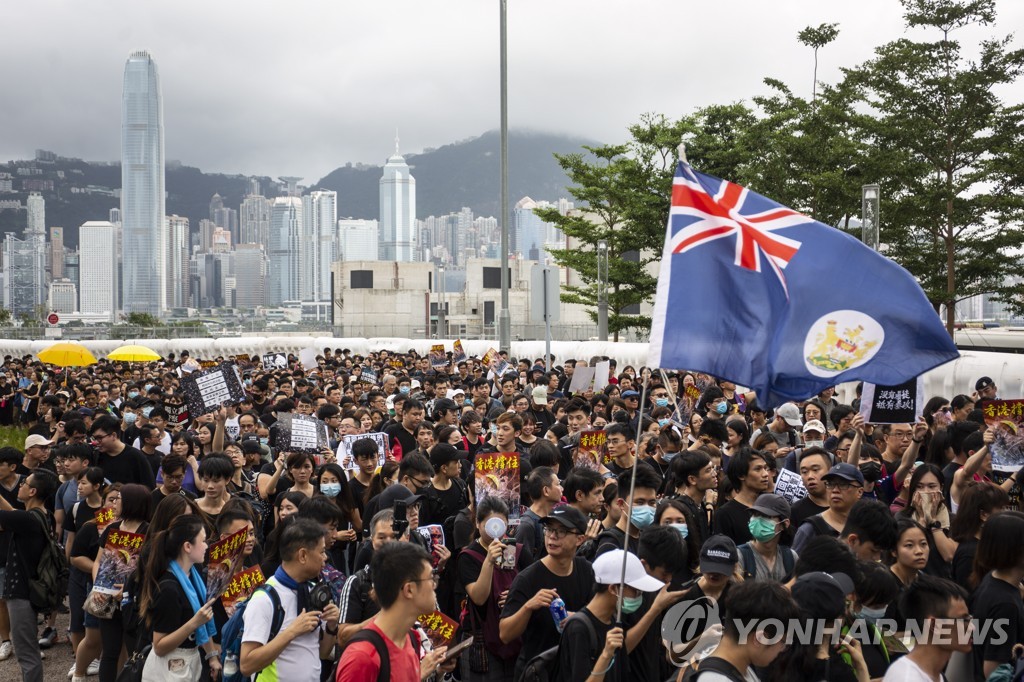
(344, 454)
(275, 361)
(103, 518)
(591, 450)
(300, 433)
(900, 404)
(208, 390)
(790, 485)
(497, 475)
(582, 379)
(118, 561)
(602, 375)
(368, 376)
(434, 535)
(241, 587)
(458, 353)
(1007, 416)
(224, 557)
(177, 413)
(438, 358)
(440, 628)
(208, 364)
(307, 356)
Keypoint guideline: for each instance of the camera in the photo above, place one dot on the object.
(400, 524)
(319, 596)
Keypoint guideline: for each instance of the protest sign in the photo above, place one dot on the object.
(582, 379)
(208, 364)
(900, 404)
(434, 535)
(243, 361)
(497, 475)
(1007, 416)
(344, 454)
(790, 485)
(438, 358)
(176, 413)
(103, 518)
(208, 390)
(440, 628)
(601, 375)
(368, 376)
(300, 433)
(118, 561)
(241, 587)
(590, 452)
(458, 353)
(224, 557)
(307, 356)
(275, 361)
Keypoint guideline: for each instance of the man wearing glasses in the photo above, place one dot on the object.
(560, 574)
(120, 463)
(844, 484)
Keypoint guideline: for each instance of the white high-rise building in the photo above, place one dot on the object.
(250, 276)
(35, 205)
(142, 188)
(97, 269)
(178, 253)
(285, 249)
(397, 211)
(357, 239)
(530, 233)
(319, 218)
(254, 220)
(63, 296)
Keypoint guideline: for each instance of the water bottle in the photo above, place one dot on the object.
(230, 664)
(558, 612)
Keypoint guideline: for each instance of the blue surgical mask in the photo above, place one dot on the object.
(722, 407)
(663, 422)
(133, 394)
(467, 401)
(641, 517)
(330, 489)
(661, 402)
(264, 441)
(871, 615)
(631, 604)
(148, 386)
(129, 418)
(146, 411)
(683, 529)
(403, 389)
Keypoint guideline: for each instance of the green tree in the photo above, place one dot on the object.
(5, 317)
(817, 37)
(953, 169)
(141, 320)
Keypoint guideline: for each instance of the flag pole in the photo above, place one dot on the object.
(681, 149)
(632, 487)
(671, 396)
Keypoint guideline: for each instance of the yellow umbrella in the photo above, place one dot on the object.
(133, 354)
(67, 355)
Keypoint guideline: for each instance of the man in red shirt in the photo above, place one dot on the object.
(404, 582)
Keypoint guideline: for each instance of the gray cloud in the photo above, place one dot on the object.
(300, 88)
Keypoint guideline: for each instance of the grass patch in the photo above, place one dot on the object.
(13, 436)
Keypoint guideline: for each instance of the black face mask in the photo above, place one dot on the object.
(872, 471)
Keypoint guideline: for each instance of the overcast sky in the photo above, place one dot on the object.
(299, 88)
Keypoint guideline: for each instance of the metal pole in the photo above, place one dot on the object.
(442, 324)
(547, 324)
(504, 317)
(632, 488)
(602, 290)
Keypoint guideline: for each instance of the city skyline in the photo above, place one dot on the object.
(558, 80)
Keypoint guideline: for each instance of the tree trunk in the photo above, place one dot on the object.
(950, 267)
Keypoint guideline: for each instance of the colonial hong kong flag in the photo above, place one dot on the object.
(759, 294)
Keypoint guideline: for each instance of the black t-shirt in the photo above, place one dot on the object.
(963, 562)
(171, 610)
(12, 499)
(358, 490)
(647, 662)
(577, 651)
(130, 466)
(158, 495)
(947, 480)
(732, 519)
(803, 510)
(530, 534)
(996, 599)
(575, 590)
(26, 549)
(154, 460)
(397, 432)
(356, 603)
(444, 503)
(80, 514)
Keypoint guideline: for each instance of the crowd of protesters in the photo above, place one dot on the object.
(904, 523)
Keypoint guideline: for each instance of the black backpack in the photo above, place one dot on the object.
(750, 566)
(373, 637)
(544, 666)
(714, 665)
(46, 591)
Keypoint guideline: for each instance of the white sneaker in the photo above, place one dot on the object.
(94, 668)
(77, 679)
(71, 672)
(6, 650)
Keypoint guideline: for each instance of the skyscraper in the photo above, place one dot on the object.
(250, 275)
(254, 220)
(285, 238)
(357, 239)
(56, 252)
(397, 211)
(319, 223)
(98, 268)
(144, 282)
(178, 253)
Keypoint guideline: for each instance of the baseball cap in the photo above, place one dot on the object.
(845, 471)
(86, 412)
(630, 394)
(397, 493)
(608, 571)
(814, 425)
(540, 395)
(570, 517)
(773, 505)
(452, 392)
(791, 413)
(719, 555)
(822, 595)
(984, 383)
(35, 440)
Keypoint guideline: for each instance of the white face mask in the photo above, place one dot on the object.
(814, 444)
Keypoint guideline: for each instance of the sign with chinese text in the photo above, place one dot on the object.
(497, 475)
(900, 404)
(1007, 416)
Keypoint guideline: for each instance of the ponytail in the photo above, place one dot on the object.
(165, 547)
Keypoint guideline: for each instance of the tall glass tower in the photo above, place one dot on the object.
(143, 280)
(397, 211)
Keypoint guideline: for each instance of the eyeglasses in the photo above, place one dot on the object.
(902, 435)
(833, 484)
(420, 483)
(558, 533)
(98, 437)
(434, 578)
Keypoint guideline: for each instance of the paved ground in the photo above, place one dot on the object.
(56, 664)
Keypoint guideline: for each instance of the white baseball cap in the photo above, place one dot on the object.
(608, 571)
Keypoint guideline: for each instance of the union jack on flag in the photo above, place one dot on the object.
(762, 295)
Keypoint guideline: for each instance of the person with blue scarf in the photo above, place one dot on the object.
(174, 603)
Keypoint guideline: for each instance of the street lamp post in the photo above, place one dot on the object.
(602, 290)
(442, 321)
(870, 197)
(504, 317)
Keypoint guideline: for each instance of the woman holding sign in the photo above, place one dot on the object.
(175, 604)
